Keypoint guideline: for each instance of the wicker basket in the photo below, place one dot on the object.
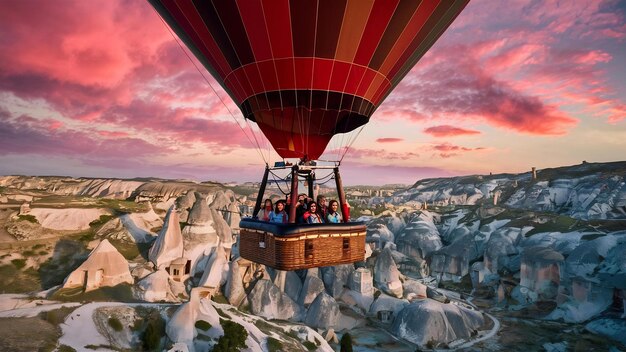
(301, 246)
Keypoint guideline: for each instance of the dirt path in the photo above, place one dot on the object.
(491, 333)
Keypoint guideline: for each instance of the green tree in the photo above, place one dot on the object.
(346, 343)
(234, 338)
(115, 324)
(154, 331)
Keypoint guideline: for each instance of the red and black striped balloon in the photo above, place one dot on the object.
(305, 70)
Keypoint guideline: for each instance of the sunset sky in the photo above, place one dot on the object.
(101, 89)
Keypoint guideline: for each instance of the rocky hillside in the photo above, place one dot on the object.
(585, 191)
(152, 189)
(550, 245)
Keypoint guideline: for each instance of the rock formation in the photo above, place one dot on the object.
(234, 216)
(452, 262)
(181, 327)
(70, 219)
(200, 222)
(234, 290)
(155, 287)
(336, 278)
(420, 238)
(540, 271)
(216, 270)
(266, 300)
(293, 285)
(105, 266)
(426, 320)
(501, 250)
(378, 233)
(311, 288)
(169, 244)
(387, 275)
(223, 231)
(386, 307)
(323, 312)
(222, 200)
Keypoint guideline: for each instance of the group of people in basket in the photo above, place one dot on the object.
(306, 212)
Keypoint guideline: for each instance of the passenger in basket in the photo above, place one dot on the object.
(279, 214)
(333, 216)
(300, 208)
(311, 216)
(264, 213)
(322, 209)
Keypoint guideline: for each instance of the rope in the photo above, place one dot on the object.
(350, 145)
(330, 176)
(277, 184)
(244, 72)
(258, 147)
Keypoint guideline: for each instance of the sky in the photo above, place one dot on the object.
(101, 89)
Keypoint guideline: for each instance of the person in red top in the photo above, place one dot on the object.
(312, 216)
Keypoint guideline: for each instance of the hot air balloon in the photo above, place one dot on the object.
(304, 71)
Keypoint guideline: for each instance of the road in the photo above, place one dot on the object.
(455, 296)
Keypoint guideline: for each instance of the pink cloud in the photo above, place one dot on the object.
(113, 134)
(617, 113)
(390, 113)
(51, 124)
(578, 18)
(183, 124)
(94, 44)
(112, 63)
(355, 173)
(23, 135)
(362, 153)
(521, 63)
(449, 131)
(447, 150)
(527, 67)
(461, 87)
(516, 57)
(389, 140)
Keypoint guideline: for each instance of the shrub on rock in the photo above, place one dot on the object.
(234, 338)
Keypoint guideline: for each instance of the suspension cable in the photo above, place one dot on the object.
(352, 142)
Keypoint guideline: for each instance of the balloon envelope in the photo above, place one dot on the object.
(305, 70)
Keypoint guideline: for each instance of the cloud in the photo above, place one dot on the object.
(365, 153)
(181, 124)
(389, 112)
(449, 131)
(112, 63)
(25, 135)
(463, 89)
(95, 44)
(523, 66)
(355, 173)
(113, 134)
(447, 150)
(105, 77)
(389, 140)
